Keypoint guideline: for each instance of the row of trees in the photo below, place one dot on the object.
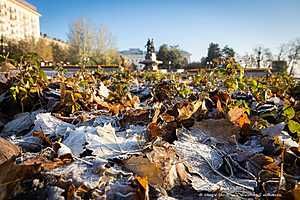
(215, 56)
(85, 44)
(289, 52)
(171, 56)
(260, 56)
(48, 51)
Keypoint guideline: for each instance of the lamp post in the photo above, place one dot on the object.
(209, 64)
(258, 58)
(2, 45)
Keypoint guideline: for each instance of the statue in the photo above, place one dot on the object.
(150, 62)
(150, 46)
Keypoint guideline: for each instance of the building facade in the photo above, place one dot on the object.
(186, 55)
(18, 20)
(134, 56)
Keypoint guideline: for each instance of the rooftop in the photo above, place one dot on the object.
(26, 5)
(132, 51)
(185, 53)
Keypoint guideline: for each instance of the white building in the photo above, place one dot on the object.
(186, 55)
(134, 56)
(295, 69)
(19, 20)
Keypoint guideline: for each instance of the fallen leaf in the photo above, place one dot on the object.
(289, 112)
(8, 150)
(238, 116)
(143, 181)
(153, 130)
(42, 137)
(219, 106)
(293, 194)
(235, 113)
(167, 131)
(12, 174)
(294, 127)
(136, 116)
(221, 129)
(167, 118)
(160, 166)
(243, 120)
(143, 188)
(100, 141)
(188, 109)
(262, 160)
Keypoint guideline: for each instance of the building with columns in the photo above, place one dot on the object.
(134, 56)
(19, 20)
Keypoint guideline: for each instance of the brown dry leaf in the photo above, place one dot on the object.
(243, 120)
(11, 174)
(69, 192)
(167, 118)
(63, 156)
(42, 137)
(273, 167)
(153, 130)
(115, 108)
(225, 97)
(134, 101)
(49, 165)
(167, 131)
(80, 192)
(294, 194)
(221, 129)
(238, 116)
(235, 113)
(261, 160)
(101, 103)
(143, 181)
(160, 166)
(143, 188)
(6, 67)
(156, 113)
(142, 166)
(118, 107)
(55, 164)
(135, 116)
(187, 110)
(219, 106)
(8, 150)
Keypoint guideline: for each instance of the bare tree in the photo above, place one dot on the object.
(81, 38)
(105, 40)
(105, 51)
(282, 52)
(263, 56)
(44, 50)
(293, 53)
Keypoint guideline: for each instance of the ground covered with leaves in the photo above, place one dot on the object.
(147, 135)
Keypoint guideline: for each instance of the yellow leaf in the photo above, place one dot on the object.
(143, 181)
(219, 106)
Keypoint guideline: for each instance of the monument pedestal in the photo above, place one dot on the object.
(150, 62)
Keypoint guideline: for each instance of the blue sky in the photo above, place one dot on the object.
(192, 24)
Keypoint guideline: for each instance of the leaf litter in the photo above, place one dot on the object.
(120, 135)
